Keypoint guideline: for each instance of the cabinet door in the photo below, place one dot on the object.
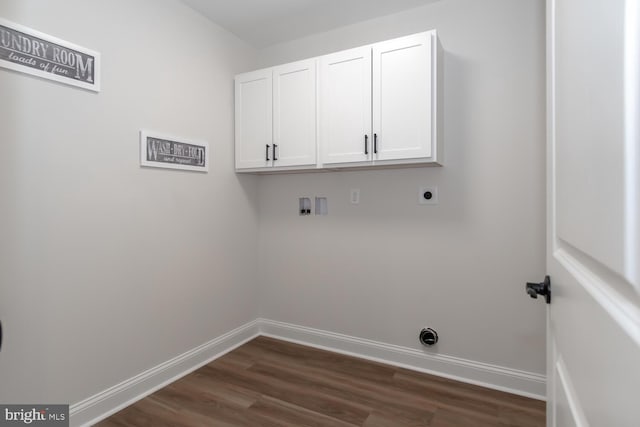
(294, 114)
(253, 116)
(345, 101)
(402, 97)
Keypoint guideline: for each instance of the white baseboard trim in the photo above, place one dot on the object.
(118, 397)
(496, 377)
(113, 399)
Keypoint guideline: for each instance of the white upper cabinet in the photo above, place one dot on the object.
(276, 118)
(379, 103)
(402, 96)
(345, 103)
(253, 119)
(295, 114)
(375, 105)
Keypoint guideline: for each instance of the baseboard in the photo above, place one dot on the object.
(496, 377)
(110, 401)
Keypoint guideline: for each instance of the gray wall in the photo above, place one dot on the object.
(108, 269)
(383, 269)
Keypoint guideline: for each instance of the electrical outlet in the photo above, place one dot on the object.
(321, 206)
(428, 195)
(355, 196)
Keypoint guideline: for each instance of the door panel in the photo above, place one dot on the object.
(294, 113)
(632, 141)
(597, 353)
(402, 94)
(346, 106)
(568, 410)
(253, 119)
(589, 110)
(594, 317)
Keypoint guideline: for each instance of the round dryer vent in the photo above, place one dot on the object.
(428, 336)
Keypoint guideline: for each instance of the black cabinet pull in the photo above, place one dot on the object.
(366, 144)
(266, 156)
(274, 152)
(375, 143)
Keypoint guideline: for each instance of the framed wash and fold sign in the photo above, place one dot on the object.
(163, 151)
(32, 52)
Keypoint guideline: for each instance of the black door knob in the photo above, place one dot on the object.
(543, 288)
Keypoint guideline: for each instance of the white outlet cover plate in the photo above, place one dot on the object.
(434, 193)
(355, 196)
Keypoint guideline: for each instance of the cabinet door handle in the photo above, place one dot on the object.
(366, 144)
(274, 152)
(375, 143)
(266, 156)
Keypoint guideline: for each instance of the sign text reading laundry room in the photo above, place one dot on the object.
(31, 52)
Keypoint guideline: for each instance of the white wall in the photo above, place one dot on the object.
(108, 269)
(383, 269)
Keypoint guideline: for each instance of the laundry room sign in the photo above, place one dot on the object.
(32, 52)
(162, 151)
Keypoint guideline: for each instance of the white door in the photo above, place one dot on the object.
(253, 119)
(402, 96)
(593, 252)
(345, 99)
(294, 114)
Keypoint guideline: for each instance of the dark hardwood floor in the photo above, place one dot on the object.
(268, 382)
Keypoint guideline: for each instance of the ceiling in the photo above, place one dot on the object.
(262, 23)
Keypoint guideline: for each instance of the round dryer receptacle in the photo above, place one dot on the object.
(428, 336)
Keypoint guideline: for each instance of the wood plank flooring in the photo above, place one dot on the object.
(268, 382)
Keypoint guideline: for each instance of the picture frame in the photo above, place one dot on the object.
(160, 150)
(32, 52)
